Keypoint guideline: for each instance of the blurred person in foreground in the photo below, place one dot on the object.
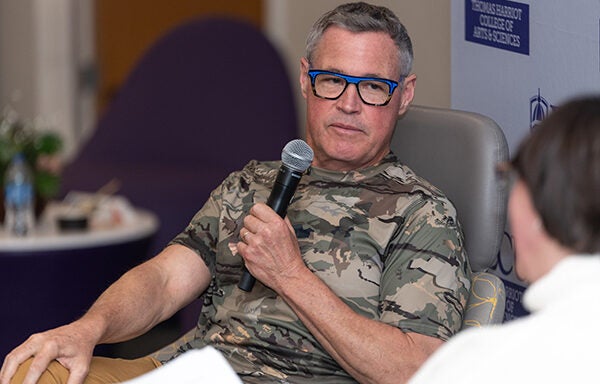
(554, 213)
(362, 281)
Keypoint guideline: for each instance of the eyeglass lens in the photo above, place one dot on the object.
(370, 91)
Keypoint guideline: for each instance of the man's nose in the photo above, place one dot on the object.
(350, 100)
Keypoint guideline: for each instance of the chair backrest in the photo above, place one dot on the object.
(206, 98)
(458, 151)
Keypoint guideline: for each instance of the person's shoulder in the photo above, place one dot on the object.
(254, 171)
(421, 197)
(257, 170)
(405, 179)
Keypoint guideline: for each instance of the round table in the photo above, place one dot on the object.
(51, 278)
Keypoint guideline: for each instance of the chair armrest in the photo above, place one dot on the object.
(486, 302)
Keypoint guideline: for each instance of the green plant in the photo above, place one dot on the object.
(39, 148)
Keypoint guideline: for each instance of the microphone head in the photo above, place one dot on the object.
(297, 155)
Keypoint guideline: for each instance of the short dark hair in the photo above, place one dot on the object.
(363, 17)
(560, 165)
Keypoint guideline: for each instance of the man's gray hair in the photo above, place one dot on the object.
(363, 17)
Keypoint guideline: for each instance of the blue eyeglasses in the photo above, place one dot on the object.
(371, 90)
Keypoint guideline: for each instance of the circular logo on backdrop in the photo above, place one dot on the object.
(539, 108)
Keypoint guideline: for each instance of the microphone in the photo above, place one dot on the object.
(296, 157)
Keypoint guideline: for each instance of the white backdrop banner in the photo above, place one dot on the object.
(515, 61)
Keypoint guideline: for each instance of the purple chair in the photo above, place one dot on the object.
(206, 98)
(43, 289)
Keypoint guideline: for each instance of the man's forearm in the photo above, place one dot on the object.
(367, 349)
(129, 307)
(147, 295)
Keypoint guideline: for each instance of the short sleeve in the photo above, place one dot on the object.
(201, 234)
(426, 279)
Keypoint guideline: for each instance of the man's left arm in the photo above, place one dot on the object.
(370, 350)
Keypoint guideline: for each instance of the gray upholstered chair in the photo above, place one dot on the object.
(458, 152)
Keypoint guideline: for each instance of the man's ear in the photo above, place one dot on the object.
(304, 81)
(408, 93)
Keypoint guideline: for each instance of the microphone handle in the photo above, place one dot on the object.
(279, 199)
(247, 281)
(283, 190)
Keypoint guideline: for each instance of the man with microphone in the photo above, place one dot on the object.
(361, 281)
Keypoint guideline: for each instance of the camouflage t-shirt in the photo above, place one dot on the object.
(384, 240)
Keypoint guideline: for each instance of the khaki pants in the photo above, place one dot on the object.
(103, 370)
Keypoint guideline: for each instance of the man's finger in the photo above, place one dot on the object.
(8, 370)
(77, 375)
(38, 365)
(12, 362)
(289, 224)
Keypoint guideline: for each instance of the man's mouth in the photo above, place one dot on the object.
(346, 128)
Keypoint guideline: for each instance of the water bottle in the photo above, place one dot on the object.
(18, 197)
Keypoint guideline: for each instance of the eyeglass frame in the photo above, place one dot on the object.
(313, 73)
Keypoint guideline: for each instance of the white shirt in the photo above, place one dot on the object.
(558, 342)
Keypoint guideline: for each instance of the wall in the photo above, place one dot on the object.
(515, 61)
(45, 48)
(47, 54)
(126, 29)
(16, 53)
